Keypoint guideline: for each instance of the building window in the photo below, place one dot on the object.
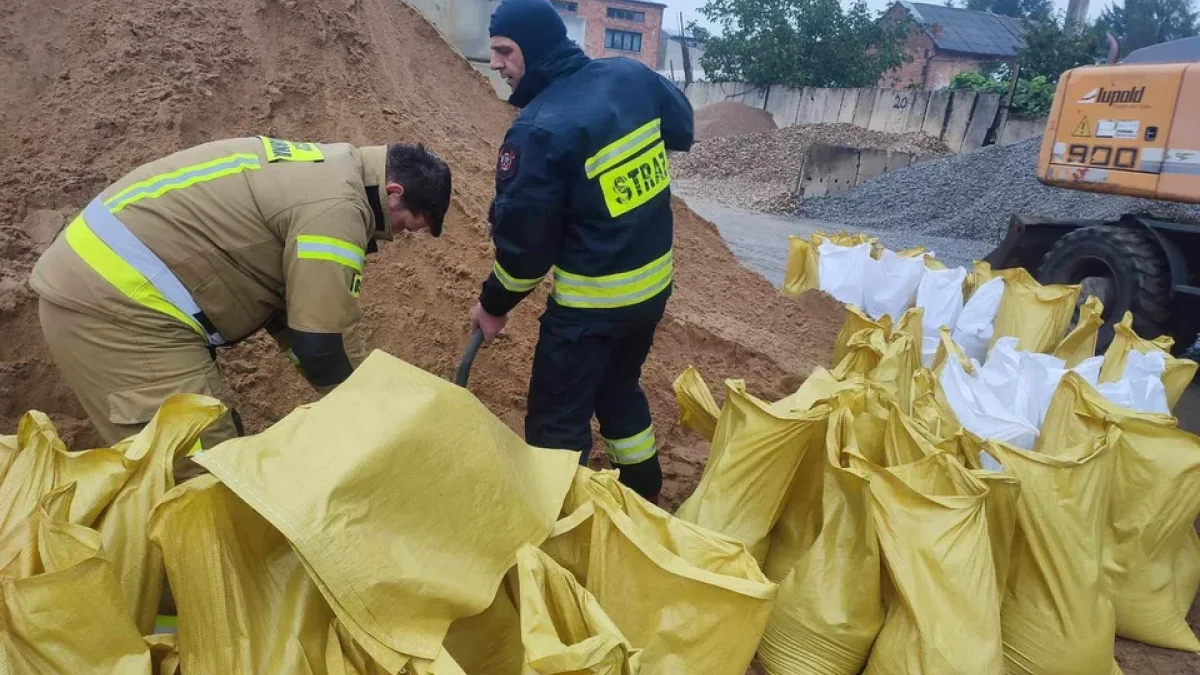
(626, 15)
(624, 40)
(565, 6)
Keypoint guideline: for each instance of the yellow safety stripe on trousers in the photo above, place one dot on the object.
(632, 450)
(614, 290)
(123, 276)
(623, 148)
(155, 187)
(513, 284)
(637, 181)
(316, 247)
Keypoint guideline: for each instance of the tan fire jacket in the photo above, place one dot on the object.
(249, 228)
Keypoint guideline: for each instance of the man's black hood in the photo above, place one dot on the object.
(564, 59)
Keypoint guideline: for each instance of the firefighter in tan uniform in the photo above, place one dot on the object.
(204, 247)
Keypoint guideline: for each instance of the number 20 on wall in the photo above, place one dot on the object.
(1102, 155)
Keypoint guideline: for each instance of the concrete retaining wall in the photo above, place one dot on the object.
(961, 119)
(830, 169)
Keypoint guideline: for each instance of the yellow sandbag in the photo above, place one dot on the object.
(755, 454)
(943, 606)
(245, 603)
(150, 457)
(803, 265)
(856, 322)
(63, 610)
(1155, 504)
(502, 652)
(890, 362)
(416, 500)
(1080, 343)
(698, 410)
(1057, 616)
(694, 601)
(1038, 316)
(564, 629)
(164, 653)
(829, 608)
(38, 463)
(1179, 372)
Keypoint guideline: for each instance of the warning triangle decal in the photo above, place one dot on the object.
(1083, 130)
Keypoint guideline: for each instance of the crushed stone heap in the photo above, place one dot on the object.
(972, 196)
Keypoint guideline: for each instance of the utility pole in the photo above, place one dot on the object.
(1077, 11)
(687, 57)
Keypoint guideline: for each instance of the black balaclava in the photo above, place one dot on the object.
(541, 34)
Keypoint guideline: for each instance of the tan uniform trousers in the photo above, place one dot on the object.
(121, 376)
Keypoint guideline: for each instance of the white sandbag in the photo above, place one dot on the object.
(891, 284)
(980, 411)
(1089, 369)
(1141, 386)
(1023, 382)
(977, 321)
(940, 295)
(842, 271)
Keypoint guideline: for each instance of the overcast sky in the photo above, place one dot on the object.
(690, 10)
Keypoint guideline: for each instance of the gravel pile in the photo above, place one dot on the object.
(972, 196)
(760, 171)
(730, 118)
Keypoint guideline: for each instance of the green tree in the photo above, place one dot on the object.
(1021, 9)
(1048, 52)
(1141, 23)
(809, 43)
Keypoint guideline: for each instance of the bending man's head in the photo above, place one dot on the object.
(524, 33)
(418, 188)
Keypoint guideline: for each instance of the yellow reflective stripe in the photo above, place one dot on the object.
(512, 283)
(621, 149)
(188, 176)
(632, 450)
(316, 247)
(121, 274)
(278, 150)
(614, 290)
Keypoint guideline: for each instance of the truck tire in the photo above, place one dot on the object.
(1124, 266)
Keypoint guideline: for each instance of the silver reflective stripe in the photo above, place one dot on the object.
(614, 283)
(1059, 152)
(131, 249)
(596, 164)
(1179, 161)
(345, 256)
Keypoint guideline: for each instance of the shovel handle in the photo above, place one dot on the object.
(464, 366)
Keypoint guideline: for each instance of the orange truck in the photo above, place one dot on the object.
(1129, 128)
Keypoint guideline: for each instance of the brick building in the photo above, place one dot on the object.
(615, 27)
(946, 41)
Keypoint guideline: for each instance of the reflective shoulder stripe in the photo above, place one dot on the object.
(512, 283)
(632, 450)
(159, 185)
(618, 151)
(614, 290)
(108, 247)
(316, 247)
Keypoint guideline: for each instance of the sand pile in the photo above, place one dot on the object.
(760, 171)
(92, 89)
(730, 118)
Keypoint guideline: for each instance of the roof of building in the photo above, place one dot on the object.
(644, 2)
(969, 32)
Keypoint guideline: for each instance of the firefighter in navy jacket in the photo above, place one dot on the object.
(583, 194)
